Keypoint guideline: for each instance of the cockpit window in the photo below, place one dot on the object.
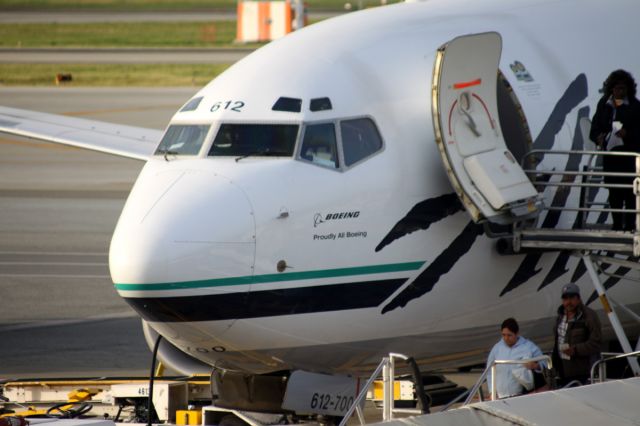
(319, 145)
(183, 139)
(320, 104)
(192, 105)
(360, 139)
(255, 140)
(288, 104)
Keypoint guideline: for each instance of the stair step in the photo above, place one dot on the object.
(576, 239)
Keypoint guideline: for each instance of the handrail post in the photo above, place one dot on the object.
(387, 391)
(387, 368)
(360, 415)
(636, 191)
(390, 387)
(494, 391)
(602, 371)
(603, 361)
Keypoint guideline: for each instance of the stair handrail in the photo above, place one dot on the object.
(387, 367)
(611, 358)
(363, 392)
(492, 368)
(530, 160)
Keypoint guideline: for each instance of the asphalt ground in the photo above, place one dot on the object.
(59, 312)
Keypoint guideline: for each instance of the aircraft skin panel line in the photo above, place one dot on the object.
(125, 141)
(274, 278)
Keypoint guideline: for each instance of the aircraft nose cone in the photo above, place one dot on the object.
(180, 226)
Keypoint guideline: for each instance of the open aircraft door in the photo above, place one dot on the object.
(486, 176)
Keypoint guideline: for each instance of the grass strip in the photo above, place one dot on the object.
(110, 74)
(147, 5)
(123, 34)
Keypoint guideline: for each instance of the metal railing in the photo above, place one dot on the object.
(601, 363)
(589, 179)
(387, 367)
(492, 368)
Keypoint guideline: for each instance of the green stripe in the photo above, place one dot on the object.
(291, 276)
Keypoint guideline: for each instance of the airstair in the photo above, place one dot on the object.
(544, 200)
(589, 231)
(551, 200)
(584, 194)
(601, 402)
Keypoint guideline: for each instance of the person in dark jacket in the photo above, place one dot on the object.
(578, 337)
(616, 127)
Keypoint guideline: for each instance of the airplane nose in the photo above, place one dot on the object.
(182, 225)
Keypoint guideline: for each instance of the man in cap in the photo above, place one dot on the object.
(578, 336)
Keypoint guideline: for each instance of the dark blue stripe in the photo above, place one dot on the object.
(265, 303)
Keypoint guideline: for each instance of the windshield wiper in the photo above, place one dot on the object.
(166, 152)
(265, 152)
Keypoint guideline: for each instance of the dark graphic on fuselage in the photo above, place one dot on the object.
(442, 264)
(423, 214)
(570, 99)
(559, 267)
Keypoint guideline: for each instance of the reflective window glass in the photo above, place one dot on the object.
(255, 140)
(360, 139)
(319, 145)
(192, 105)
(320, 104)
(181, 139)
(288, 104)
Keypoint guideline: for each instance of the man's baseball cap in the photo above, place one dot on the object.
(570, 289)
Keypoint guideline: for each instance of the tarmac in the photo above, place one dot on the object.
(60, 315)
(59, 205)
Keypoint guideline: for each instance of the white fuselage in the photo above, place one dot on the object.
(270, 262)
